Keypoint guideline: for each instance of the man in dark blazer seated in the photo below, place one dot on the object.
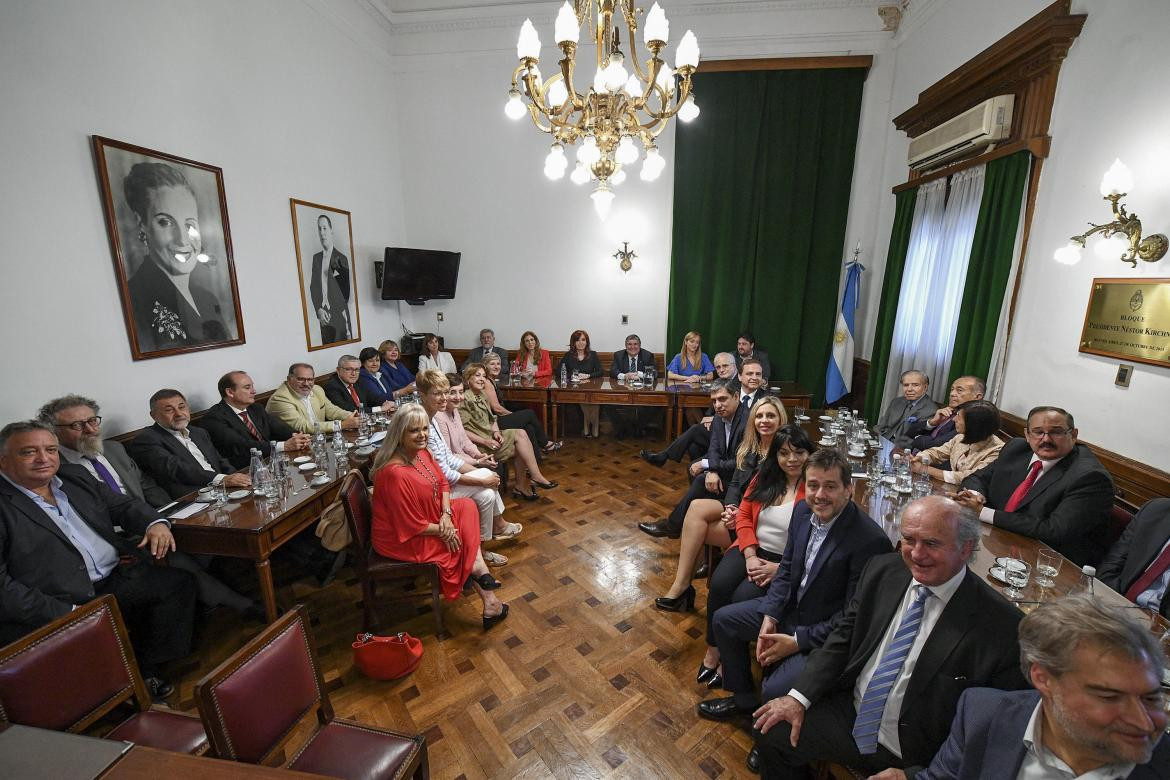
(487, 346)
(830, 539)
(58, 549)
(343, 389)
(1046, 486)
(745, 349)
(695, 440)
(237, 424)
(902, 413)
(939, 428)
(712, 474)
(1138, 564)
(1096, 710)
(882, 690)
(629, 364)
(180, 457)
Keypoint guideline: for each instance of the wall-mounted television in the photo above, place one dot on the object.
(418, 275)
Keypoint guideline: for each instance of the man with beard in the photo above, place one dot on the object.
(1096, 712)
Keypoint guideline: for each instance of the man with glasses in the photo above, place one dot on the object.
(344, 391)
(1046, 486)
(302, 405)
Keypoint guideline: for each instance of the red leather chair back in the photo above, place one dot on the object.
(1119, 518)
(255, 699)
(355, 502)
(69, 673)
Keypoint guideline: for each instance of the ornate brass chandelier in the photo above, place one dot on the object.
(617, 108)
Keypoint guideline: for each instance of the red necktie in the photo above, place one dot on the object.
(353, 394)
(1018, 496)
(251, 428)
(1156, 570)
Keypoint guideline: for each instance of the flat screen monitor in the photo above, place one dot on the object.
(417, 275)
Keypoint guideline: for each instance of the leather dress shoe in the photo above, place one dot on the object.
(706, 673)
(653, 458)
(701, 571)
(753, 760)
(159, 689)
(659, 528)
(722, 709)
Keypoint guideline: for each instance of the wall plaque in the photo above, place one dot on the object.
(1130, 319)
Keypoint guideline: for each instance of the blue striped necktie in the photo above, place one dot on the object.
(885, 674)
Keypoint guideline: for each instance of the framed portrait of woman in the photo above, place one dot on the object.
(168, 225)
(323, 237)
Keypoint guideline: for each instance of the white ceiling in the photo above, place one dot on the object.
(392, 8)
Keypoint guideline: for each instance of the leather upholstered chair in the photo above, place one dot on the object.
(72, 672)
(371, 567)
(256, 700)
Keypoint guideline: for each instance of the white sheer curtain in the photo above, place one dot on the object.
(932, 282)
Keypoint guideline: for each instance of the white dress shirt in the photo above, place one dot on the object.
(987, 514)
(1040, 763)
(193, 448)
(77, 459)
(820, 531)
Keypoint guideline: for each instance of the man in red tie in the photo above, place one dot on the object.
(344, 390)
(237, 423)
(1046, 486)
(1138, 564)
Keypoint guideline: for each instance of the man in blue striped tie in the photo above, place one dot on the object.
(880, 694)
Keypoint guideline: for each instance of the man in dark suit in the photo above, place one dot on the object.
(913, 405)
(237, 424)
(487, 345)
(1138, 564)
(343, 389)
(829, 542)
(745, 348)
(695, 440)
(1048, 487)
(329, 286)
(939, 428)
(881, 692)
(1096, 710)
(58, 549)
(712, 474)
(629, 364)
(181, 458)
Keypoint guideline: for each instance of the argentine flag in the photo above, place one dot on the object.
(839, 375)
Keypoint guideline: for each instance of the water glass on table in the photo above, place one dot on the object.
(1047, 566)
(1017, 573)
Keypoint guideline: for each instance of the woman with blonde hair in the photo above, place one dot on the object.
(398, 375)
(691, 364)
(415, 519)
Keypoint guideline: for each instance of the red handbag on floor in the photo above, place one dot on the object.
(387, 657)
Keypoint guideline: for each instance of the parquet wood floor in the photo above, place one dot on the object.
(584, 679)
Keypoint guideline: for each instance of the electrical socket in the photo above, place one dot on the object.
(625, 319)
(439, 316)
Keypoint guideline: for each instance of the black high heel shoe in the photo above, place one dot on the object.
(706, 673)
(524, 496)
(684, 602)
(545, 485)
(485, 581)
(489, 621)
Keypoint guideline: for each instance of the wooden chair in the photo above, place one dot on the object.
(71, 673)
(373, 569)
(257, 700)
(1119, 519)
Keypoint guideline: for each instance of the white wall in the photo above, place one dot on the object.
(290, 99)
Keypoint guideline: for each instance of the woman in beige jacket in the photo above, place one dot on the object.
(974, 447)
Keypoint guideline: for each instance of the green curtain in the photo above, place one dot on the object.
(883, 335)
(990, 266)
(761, 195)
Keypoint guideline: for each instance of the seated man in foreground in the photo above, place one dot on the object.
(914, 404)
(695, 440)
(1046, 486)
(59, 550)
(1097, 710)
(882, 690)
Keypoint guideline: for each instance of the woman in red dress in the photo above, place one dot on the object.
(416, 520)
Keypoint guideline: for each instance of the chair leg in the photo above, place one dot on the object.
(436, 602)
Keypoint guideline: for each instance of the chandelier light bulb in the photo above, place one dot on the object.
(688, 110)
(514, 108)
(600, 85)
(653, 164)
(626, 151)
(1069, 254)
(580, 174)
(1112, 247)
(634, 87)
(557, 93)
(688, 51)
(566, 29)
(589, 153)
(665, 79)
(615, 74)
(617, 177)
(657, 28)
(528, 46)
(602, 199)
(1118, 180)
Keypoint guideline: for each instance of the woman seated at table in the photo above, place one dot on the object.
(691, 365)
(431, 357)
(416, 520)
(399, 376)
(480, 423)
(372, 378)
(532, 362)
(581, 363)
(975, 446)
(514, 419)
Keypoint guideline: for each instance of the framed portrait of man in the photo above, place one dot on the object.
(323, 237)
(167, 221)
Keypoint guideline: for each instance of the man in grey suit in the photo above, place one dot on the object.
(487, 345)
(915, 404)
(78, 424)
(1096, 710)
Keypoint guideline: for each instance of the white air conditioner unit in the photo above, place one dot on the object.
(975, 128)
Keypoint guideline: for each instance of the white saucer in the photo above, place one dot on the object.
(237, 495)
(302, 459)
(363, 451)
(307, 466)
(825, 417)
(322, 480)
(803, 417)
(827, 443)
(857, 453)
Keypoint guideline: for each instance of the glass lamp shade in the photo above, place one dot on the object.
(589, 153)
(602, 199)
(653, 164)
(665, 79)
(580, 174)
(566, 29)
(514, 108)
(529, 43)
(634, 87)
(657, 28)
(1118, 180)
(688, 51)
(617, 177)
(1111, 248)
(557, 93)
(615, 74)
(1069, 254)
(626, 152)
(600, 83)
(688, 110)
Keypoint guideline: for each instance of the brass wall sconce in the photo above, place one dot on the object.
(1121, 238)
(625, 257)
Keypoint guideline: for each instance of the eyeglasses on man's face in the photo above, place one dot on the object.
(81, 425)
(1055, 433)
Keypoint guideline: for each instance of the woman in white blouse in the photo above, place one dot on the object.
(975, 446)
(431, 357)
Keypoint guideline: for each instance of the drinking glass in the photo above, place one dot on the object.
(921, 487)
(220, 493)
(1047, 566)
(1017, 573)
(799, 410)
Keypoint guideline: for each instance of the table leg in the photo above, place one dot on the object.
(554, 434)
(670, 422)
(267, 589)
